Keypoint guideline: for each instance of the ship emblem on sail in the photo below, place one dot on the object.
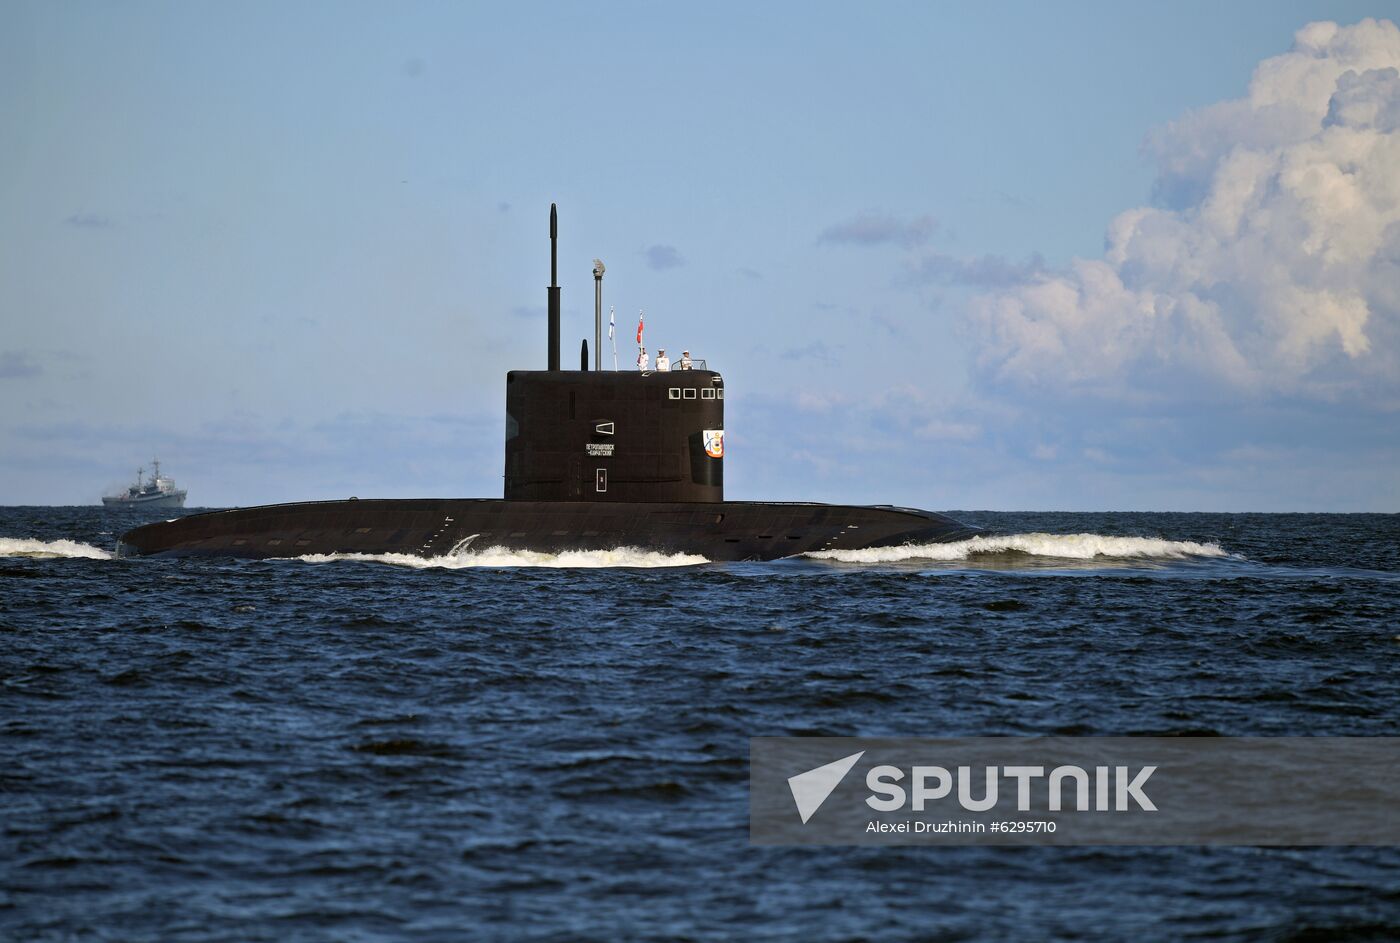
(714, 443)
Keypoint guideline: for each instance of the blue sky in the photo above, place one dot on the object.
(1010, 256)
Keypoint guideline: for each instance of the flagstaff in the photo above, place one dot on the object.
(612, 333)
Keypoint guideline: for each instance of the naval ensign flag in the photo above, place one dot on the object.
(640, 326)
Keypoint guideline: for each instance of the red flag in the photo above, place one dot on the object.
(640, 326)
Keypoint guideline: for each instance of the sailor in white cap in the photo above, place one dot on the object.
(685, 360)
(663, 363)
(643, 361)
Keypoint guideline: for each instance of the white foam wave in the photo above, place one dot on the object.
(49, 549)
(1062, 546)
(500, 557)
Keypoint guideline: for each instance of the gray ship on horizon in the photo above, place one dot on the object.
(154, 492)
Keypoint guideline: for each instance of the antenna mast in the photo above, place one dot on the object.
(553, 288)
(598, 314)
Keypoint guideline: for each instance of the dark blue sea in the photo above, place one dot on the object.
(515, 748)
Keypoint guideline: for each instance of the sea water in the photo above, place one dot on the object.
(523, 746)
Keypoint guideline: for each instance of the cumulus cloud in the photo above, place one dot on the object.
(871, 228)
(1270, 261)
(661, 257)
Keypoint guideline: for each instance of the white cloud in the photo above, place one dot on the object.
(945, 430)
(819, 401)
(1271, 263)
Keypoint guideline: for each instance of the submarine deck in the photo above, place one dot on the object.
(430, 527)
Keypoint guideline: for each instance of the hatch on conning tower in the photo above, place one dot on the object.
(579, 435)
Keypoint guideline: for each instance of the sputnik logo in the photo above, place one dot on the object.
(810, 789)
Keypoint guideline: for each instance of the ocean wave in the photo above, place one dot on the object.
(49, 549)
(1060, 546)
(501, 557)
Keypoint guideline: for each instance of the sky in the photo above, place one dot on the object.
(1016, 256)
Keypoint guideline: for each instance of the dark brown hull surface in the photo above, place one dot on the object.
(432, 527)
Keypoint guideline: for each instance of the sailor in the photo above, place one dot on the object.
(685, 360)
(663, 363)
(643, 361)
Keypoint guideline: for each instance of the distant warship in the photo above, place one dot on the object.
(154, 492)
(594, 460)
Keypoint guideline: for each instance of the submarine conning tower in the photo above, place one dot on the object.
(580, 435)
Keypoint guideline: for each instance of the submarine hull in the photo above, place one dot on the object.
(432, 527)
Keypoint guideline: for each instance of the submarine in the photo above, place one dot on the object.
(594, 460)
